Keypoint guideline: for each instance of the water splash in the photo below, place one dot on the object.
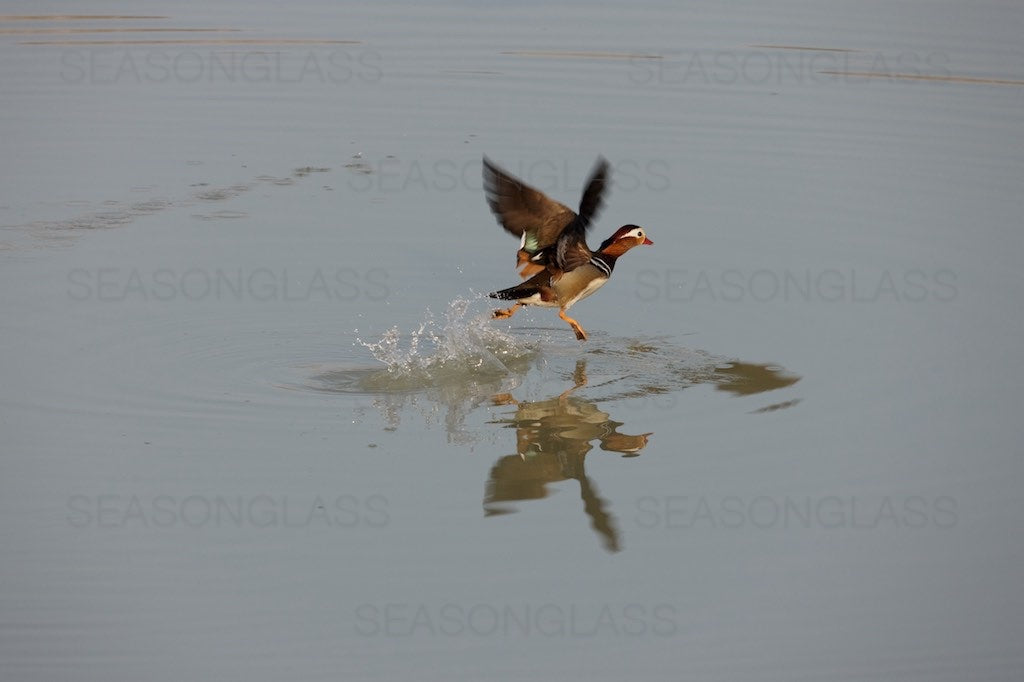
(453, 371)
(464, 346)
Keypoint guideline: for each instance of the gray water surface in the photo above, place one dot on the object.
(257, 423)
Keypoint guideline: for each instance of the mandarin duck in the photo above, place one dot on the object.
(553, 257)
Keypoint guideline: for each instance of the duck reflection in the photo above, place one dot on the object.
(746, 378)
(553, 438)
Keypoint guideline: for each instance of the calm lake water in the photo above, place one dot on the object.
(257, 424)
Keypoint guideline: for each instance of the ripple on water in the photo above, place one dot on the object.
(449, 366)
(445, 369)
(465, 346)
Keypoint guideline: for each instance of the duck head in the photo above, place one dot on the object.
(624, 239)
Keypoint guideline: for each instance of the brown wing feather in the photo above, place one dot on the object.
(557, 234)
(593, 195)
(570, 253)
(571, 250)
(519, 207)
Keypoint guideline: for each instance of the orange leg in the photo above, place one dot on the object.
(580, 334)
(579, 377)
(507, 312)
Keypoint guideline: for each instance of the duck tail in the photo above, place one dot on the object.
(520, 291)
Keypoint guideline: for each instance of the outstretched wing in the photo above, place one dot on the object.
(550, 232)
(570, 249)
(593, 196)
(524, 211)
